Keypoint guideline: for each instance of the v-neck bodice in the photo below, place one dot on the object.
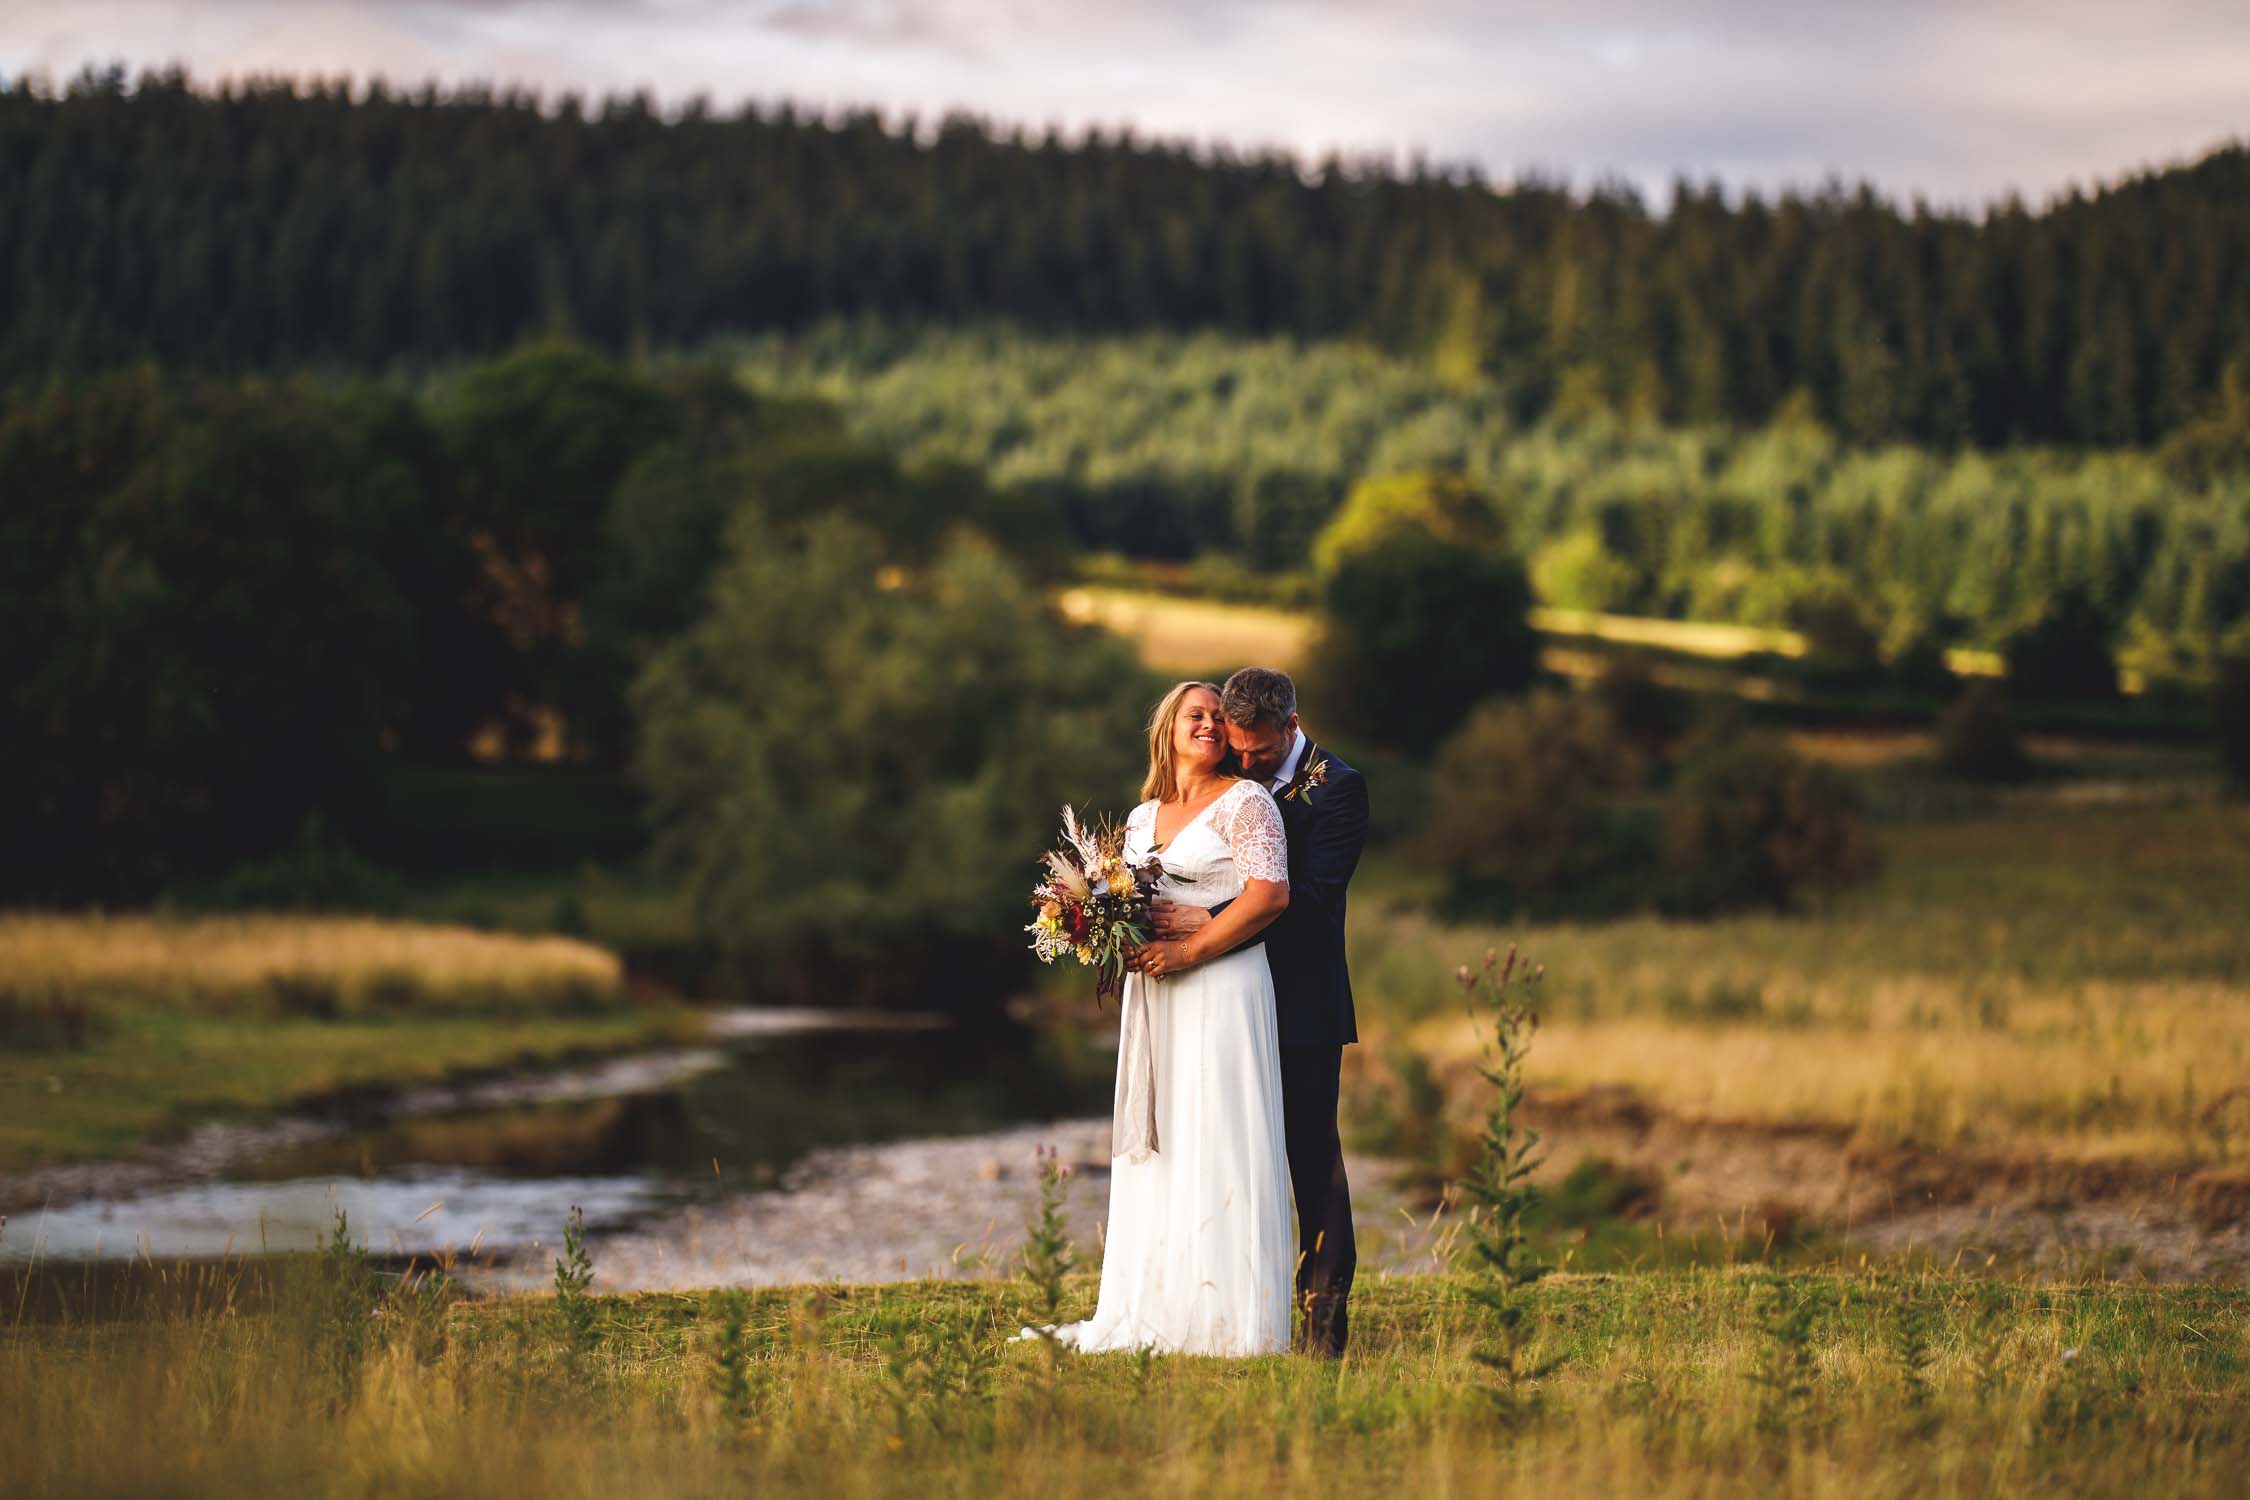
(1236, 838)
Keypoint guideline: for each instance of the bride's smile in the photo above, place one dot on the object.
(1200, 734)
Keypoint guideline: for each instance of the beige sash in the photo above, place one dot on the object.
(1133, 1125)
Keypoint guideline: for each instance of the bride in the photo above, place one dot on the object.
(1198, 1254)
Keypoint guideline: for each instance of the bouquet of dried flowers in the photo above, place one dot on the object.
(1092, 904)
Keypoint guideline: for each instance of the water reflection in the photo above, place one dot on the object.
(442, 1170)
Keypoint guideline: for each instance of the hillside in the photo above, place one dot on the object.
(278, 224)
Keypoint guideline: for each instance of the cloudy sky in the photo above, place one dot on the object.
(1957, 100)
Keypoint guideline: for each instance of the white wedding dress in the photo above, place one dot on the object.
(1200, 1249)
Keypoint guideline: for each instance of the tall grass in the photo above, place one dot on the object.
(2067, 980)
(336, 962)
(115, 1030)
(1677, 1384)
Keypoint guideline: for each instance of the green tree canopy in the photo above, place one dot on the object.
(276, 223)
(854, 757)
(1446, 508)
(536, 444)
(212, 572)
(1423, 613)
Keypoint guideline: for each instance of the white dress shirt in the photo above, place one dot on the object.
(1288, 769)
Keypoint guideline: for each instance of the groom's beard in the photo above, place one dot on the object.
(1261, 767)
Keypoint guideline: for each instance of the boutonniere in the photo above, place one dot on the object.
(1308, 777)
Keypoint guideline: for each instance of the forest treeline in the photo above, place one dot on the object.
(1170, 447)
(236, 605)
(273, 224)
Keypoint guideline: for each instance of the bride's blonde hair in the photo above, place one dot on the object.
(1163, 782)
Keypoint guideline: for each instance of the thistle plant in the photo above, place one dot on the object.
(733, 1364)
(1047, 1259)
(1786, 1369)
(1913, 1353)
(332, 1298)
(1498, 1185)
(574, 1274)
(938, 1374)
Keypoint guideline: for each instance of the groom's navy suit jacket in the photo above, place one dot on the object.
(1327, 827)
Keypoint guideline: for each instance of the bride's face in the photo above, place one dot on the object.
(1199, 735)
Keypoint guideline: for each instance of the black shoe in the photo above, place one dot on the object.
(1327, 1327)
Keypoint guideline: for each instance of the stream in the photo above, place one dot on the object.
(774, 1151)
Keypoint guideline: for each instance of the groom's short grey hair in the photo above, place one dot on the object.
(1258, 695)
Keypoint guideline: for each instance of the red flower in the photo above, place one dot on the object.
(1076, 919)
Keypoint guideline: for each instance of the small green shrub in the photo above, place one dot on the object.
(1498, 1188)
(1787, 1368)
(311, 996)
(1914, 655)
(1047, 1261)
(574, 1279)
(316, 873)
(1647, 714)
(1401, 1114)
(1596, 1191)
(328, 1305)
(2065, 653)
(569, 916)
(1842, 644)
(46, 1019)
(1750, 823)
(1977, 738)
(1528, 817)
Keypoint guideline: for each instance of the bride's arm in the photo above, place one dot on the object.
(1246, 916)
(1260, 846)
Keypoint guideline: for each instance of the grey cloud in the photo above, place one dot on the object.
(1958, 100)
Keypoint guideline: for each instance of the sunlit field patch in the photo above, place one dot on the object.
(198, 961)
(1193, 635)
(119, 1031)
(2074, 984)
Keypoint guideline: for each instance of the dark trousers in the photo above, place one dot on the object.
(1326, 1253)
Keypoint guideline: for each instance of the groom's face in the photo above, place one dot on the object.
(1262, 747)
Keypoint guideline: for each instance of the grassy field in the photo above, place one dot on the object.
(209, 963)
(2065, 979)
(2059, 969)
(119, 1030)
(1193, 635)
(1711, 1382)
(1188, 634)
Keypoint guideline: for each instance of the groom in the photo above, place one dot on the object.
(1324, 808)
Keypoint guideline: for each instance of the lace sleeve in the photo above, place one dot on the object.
(1255, 835)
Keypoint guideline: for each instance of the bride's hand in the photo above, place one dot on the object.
(1161, 958)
